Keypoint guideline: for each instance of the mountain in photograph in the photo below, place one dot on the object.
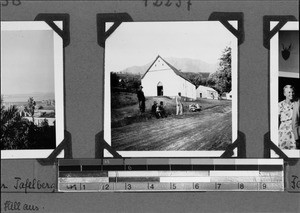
(182, 64)
(38, 96)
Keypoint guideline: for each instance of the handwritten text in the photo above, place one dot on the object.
(170, 3)
(18, 206)
(295, 182)
(32, 184)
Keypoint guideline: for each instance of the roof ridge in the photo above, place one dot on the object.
(177, 72)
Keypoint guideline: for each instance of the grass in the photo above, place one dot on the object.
(125, 108)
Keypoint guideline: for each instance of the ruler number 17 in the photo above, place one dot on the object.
(218, 186)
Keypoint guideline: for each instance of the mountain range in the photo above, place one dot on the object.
(181, 64)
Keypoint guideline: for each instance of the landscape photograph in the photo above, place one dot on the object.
(170, 89)
(28, 99)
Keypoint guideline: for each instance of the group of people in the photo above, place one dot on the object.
(289, 110)
(158, 110)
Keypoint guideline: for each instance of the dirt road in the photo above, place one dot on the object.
(209, 129)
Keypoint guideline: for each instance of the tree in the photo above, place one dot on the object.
(14, 129)
(114, 79)
(221, 79)
(30, 107)
(19, 133)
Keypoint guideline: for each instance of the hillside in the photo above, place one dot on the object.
(182, 64)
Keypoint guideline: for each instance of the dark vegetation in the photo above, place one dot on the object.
(221, 79)
(18, 132)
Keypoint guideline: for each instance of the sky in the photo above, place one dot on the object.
(138, 43)
(27, 62)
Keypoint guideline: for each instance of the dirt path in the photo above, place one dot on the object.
(209, 129)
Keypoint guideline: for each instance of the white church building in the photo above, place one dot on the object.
(162, 79)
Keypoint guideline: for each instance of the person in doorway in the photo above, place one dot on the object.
(179, 106)
(141, 99)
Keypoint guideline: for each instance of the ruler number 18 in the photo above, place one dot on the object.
(264, 186)
(241, 186)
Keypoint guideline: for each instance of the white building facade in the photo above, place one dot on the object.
(162, 79)
(206, 92)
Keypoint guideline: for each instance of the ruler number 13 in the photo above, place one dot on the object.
(128, 186)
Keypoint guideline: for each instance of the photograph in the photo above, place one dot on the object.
(285, 90)
(31, 90)
(170, 89)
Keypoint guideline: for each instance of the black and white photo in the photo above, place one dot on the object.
(31, 89)
(170, 89)
(285, 88)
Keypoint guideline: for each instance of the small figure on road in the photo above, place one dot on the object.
(141, 98)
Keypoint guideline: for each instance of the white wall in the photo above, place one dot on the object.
(172, 83)
(206, 92)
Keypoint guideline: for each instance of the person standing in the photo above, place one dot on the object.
(296, 122)
(141, 99)
(285, 109)
(178, 100)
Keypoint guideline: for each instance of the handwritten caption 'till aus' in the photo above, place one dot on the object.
(16, 206)
(170, 3)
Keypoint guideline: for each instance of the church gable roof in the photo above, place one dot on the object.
(177, 72)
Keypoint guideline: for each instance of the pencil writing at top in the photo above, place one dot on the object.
(170, 3)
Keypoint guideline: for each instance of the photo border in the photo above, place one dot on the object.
(58, 87)
(275, 73)
(107, 108)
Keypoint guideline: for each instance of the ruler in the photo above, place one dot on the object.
(172, 174)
